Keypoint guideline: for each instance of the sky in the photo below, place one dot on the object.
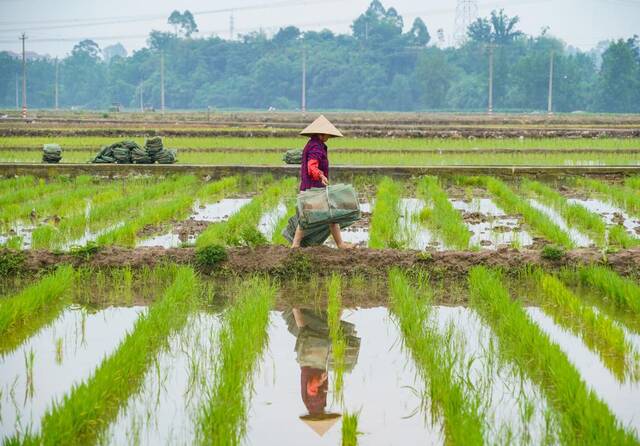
(54, 26)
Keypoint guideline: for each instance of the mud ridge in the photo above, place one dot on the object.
(281, 261)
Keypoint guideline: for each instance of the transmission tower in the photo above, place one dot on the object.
(466, 13)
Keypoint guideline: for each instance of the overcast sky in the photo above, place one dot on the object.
(54, 26)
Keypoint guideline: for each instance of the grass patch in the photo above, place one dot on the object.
(575, 215)
(451, 397)
(210, 256)
(383, 231)
(80, 417)
(10, 262)
(34, 307)
(582, 416)
(243, 337)
(443, 218)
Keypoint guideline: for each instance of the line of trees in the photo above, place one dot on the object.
(378, 66)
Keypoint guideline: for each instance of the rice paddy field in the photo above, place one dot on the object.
(169, 309)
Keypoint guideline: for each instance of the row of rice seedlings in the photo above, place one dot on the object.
(242, 227)
(599, 332)
(216, 190)
(83, 414)
(622, 292)
(278, 238)
(625, 197)
(338, 341)
(40, 188)
(152, 213)
(350, 429)
(574, 214)
(34, 307)
(106, 210)
(385, 214)
(583, 418)
(15, 183)
(60, 203)
(95, 142)
(451, 398)
(242, 339)
(442, 217)
(512, 203)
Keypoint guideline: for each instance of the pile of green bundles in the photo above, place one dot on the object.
(293, 156)
(51, 153)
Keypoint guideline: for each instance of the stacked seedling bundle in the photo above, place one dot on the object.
(293, 156)
(156, 151)
(127, 152)
(52, 153)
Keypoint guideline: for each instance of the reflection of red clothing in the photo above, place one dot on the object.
(314, 172)
(315, 403)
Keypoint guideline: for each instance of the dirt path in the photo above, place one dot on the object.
(284, 262)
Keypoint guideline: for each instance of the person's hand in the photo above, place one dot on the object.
(324, 180)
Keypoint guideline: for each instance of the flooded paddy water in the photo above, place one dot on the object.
(291, 394)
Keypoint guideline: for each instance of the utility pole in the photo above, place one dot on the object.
(162, 81)
(490, 105)
(141, 99)
(550, 97)
(366, 30)
(304, 79)
(231, 25)
(17, 90)
(23, 37)
(56, 86)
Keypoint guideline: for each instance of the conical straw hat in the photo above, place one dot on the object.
(321, 425)
(321, 126)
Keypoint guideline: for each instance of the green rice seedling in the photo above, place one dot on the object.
(574, 214)
(242, 338)
(623, 196)
(93, 143)
(619, 237)
(113, 209)
(338, 342)
(83, 414)
(597, 331)
(15, 183)
(633, 182)
(350, 429)
(621, 292)
(451, 398)
(33, 308)
(59, 351)
(278, 238)
(29, 360)
(385, 214)
(216, 190)
(243, 223)
(151, 214)
(583, 418)
(510, 202)
(443, 218)
(14, 243)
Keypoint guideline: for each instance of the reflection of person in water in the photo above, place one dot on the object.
(313, 353)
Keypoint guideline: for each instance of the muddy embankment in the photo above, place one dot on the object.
(287, 263)
(480, 132)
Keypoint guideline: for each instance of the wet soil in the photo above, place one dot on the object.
(285, 262)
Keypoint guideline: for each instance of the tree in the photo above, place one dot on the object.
(433, 74)
(619, 78)
(287, 35)
(377, 24)
(498, 28)
(418, 35)
(86, 49)
(184, 21)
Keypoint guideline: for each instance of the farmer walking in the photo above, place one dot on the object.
(314, 172)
